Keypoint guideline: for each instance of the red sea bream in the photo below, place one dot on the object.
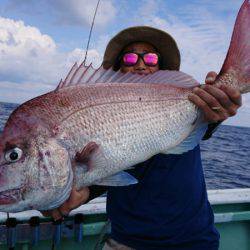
(113, 120)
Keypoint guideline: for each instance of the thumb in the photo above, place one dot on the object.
(210, 78)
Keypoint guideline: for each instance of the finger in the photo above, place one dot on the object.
(209, 99)
(219, 95)
(56, 215)
(209, 114)
(229, 106)
(234, 94)
(76, 199)
(221, 114)
(79, 197)
(64, 209)
(46, 213)
(210, 78)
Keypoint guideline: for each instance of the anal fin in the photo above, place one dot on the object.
(119, 179)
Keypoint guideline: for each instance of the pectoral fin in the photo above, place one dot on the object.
(91, 155)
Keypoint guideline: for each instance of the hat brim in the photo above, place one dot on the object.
(162, 41)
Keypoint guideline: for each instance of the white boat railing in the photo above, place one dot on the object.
(98, 205)
(229, 196)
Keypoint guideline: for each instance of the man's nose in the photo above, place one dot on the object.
(140, 65)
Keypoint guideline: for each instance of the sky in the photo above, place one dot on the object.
(40, 40)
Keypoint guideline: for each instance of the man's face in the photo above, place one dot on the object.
(139, 67)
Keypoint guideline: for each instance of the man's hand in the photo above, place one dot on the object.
(216, 103)
(77, 198)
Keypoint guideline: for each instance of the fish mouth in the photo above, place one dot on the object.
(10, 196)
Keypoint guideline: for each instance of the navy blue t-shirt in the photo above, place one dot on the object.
(168, 209)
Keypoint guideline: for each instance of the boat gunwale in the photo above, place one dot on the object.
(98, 205)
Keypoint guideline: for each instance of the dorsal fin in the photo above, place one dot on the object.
(104, 75)
(59, 85)
(92, 79)
(70, 74)
(88, 75)
(85, 73)
(78, 74)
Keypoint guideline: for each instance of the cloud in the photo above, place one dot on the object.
(31, 60)
(22, 47)
(246, 102)
(17, 93)
(68, 12)
(80, 12)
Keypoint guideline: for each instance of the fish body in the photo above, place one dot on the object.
(129, 123)
(115, 120)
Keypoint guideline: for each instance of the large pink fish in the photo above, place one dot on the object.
(115, 120)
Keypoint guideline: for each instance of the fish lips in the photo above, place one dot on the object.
(10, 196)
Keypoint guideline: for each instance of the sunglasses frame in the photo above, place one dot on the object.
(140, 55)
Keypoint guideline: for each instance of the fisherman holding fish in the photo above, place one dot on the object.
(137, 110)
(168, 208)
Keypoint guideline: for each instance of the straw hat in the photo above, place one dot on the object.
(162, 41)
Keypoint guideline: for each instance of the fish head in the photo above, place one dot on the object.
(35, 170)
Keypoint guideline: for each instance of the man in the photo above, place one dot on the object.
(168, 208)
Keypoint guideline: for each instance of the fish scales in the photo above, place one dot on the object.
(128, 130)
(54, 107)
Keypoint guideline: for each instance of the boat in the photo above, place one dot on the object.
(87, 226)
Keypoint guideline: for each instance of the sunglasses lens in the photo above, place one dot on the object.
(151, 59)
(130, 59)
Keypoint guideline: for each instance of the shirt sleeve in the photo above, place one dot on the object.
(96, 191)
(212, 127)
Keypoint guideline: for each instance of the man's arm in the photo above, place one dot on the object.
(212, 127)
(216, 103)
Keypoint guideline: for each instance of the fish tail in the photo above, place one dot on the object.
(236, 67)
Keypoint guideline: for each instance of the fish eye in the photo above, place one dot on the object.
(13, 155)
